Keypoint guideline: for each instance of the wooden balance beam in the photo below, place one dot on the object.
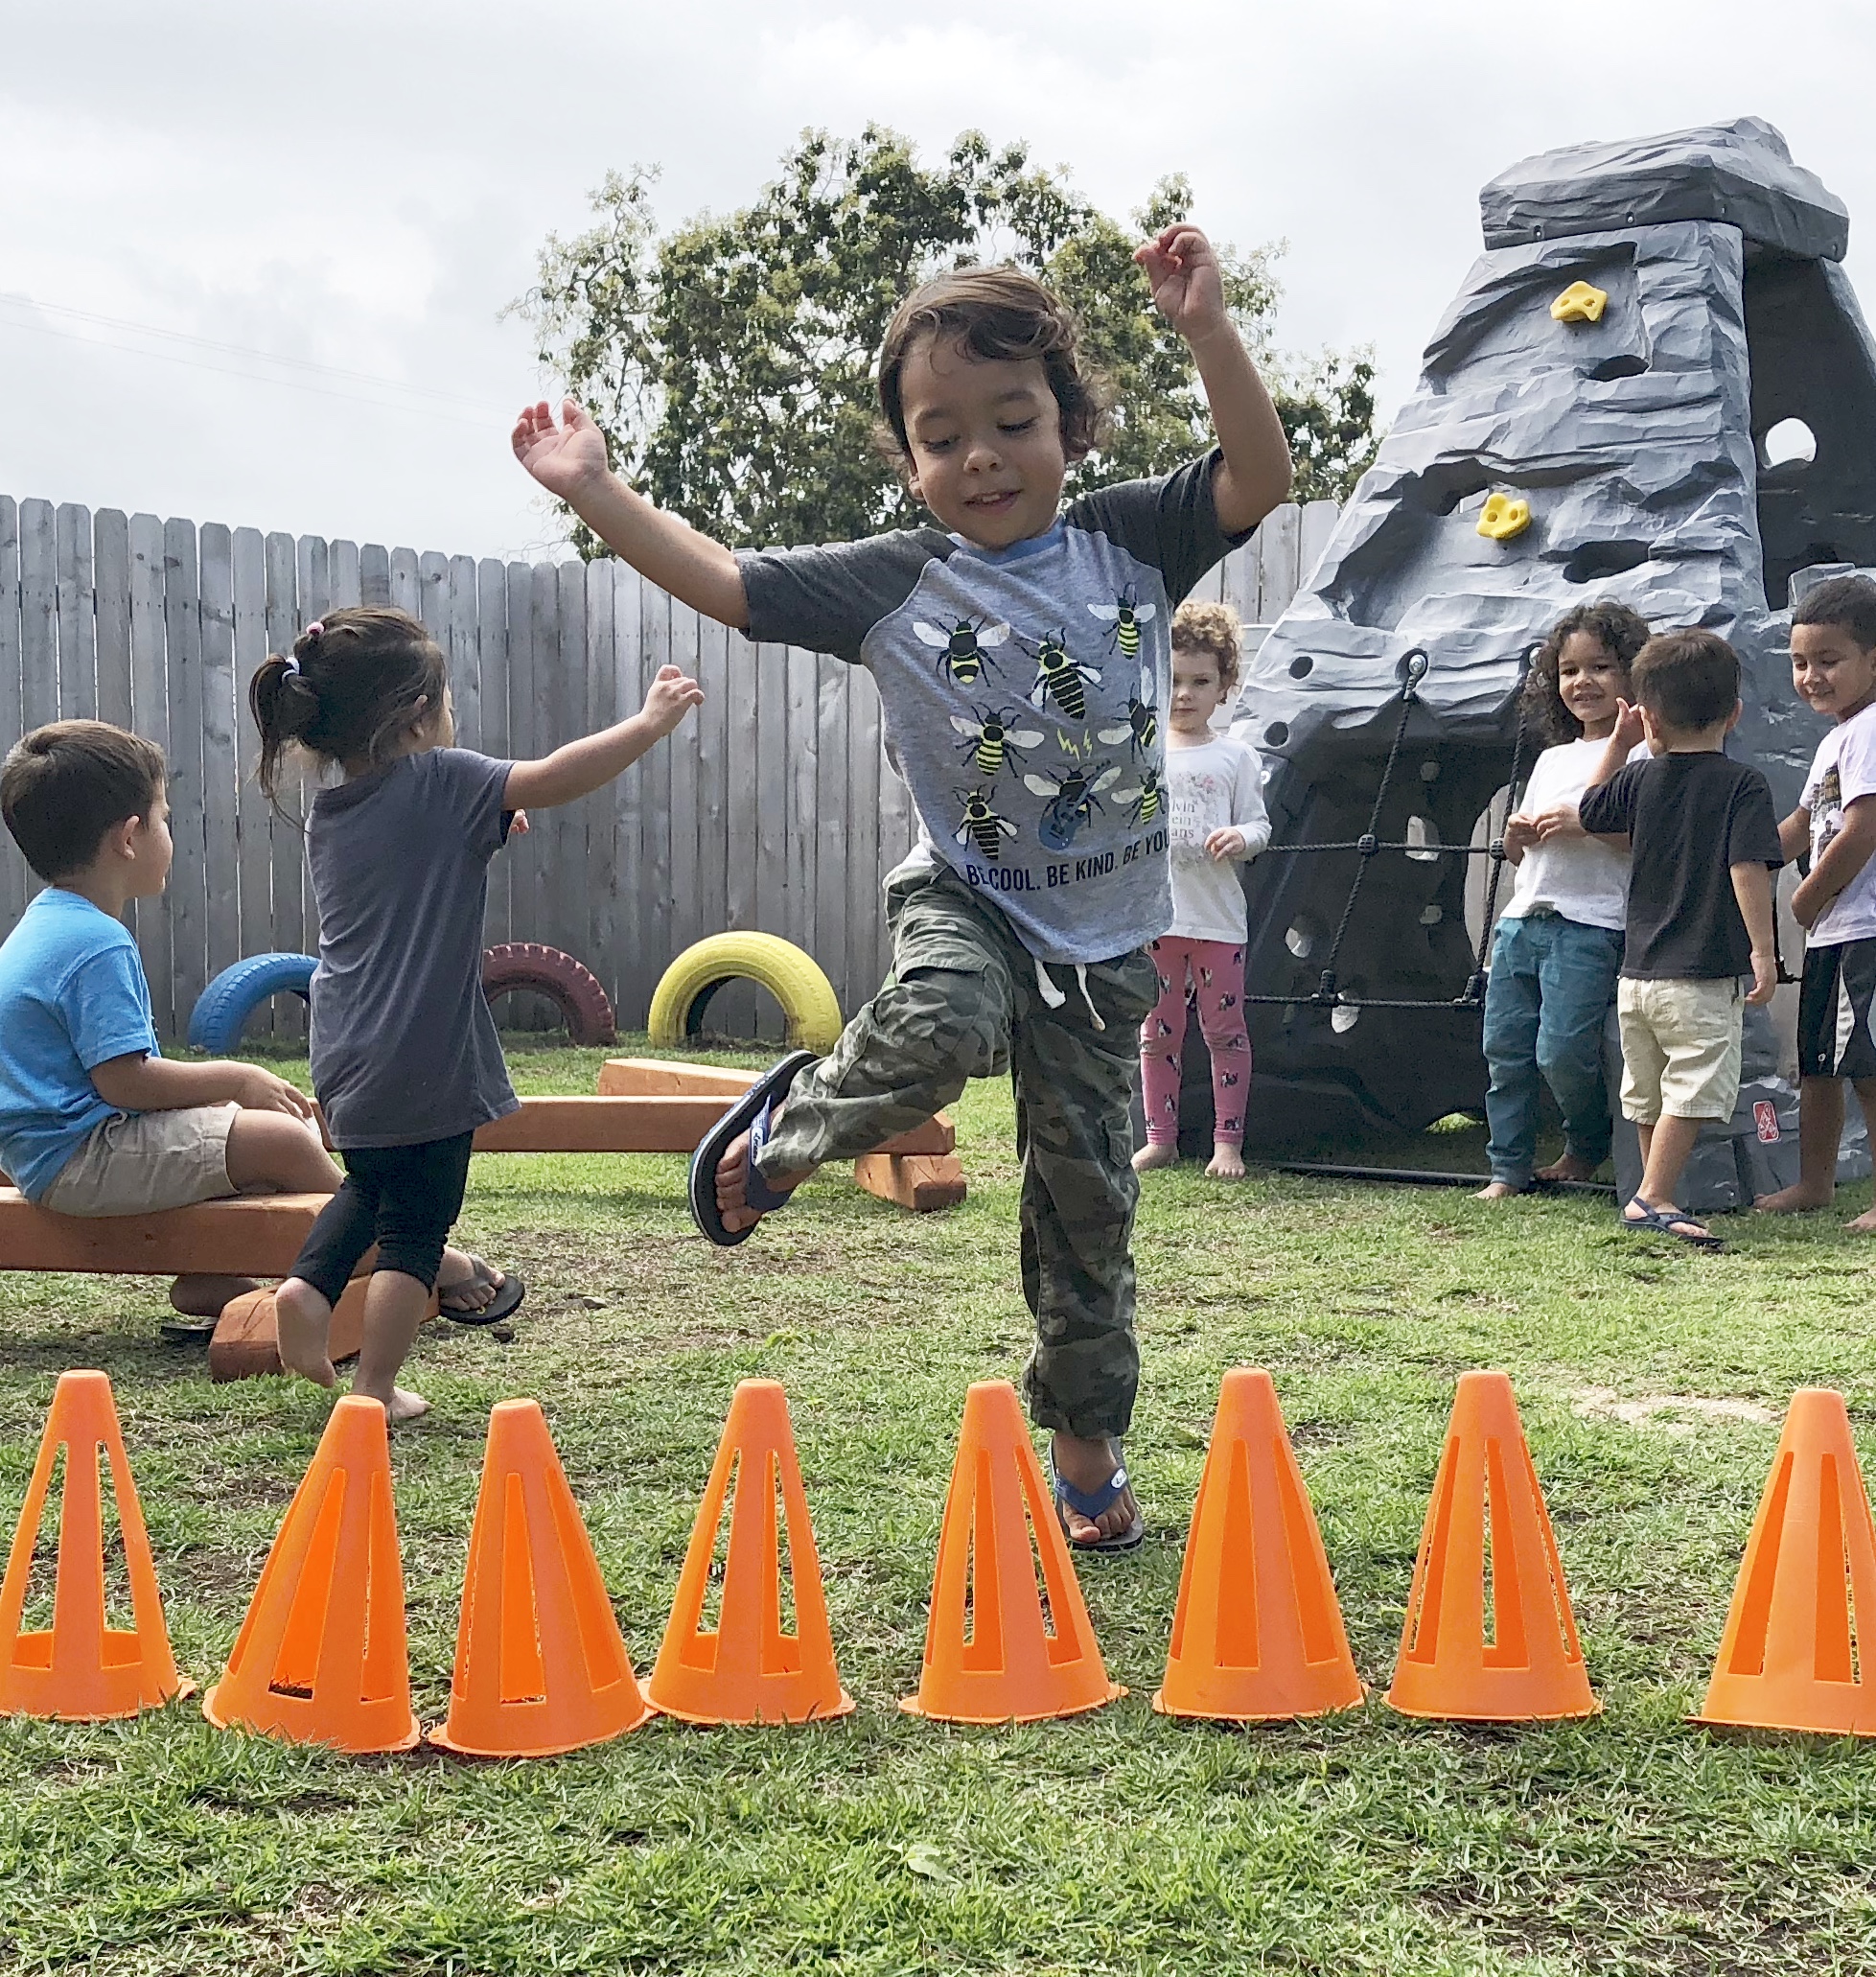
(644, 1106)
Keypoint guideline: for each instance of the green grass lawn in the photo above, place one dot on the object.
(1118, 1842)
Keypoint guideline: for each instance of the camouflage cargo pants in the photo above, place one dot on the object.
(963, 1000)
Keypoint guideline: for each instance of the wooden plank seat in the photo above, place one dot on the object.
(644, 1106)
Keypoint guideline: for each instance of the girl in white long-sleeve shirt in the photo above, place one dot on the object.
(1215, 808)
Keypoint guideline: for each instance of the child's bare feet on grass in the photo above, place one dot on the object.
(1798, 1201)
(1571, 1167)
(302, 1326)
(1154, 1153)
(1227, 1162)
(733, 1184)
(1864, 1224)
(1497, 1191)
(1088, 1464)
(402, 1405)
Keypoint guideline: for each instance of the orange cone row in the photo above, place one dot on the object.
(541, 1668)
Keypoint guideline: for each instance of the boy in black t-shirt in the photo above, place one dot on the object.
(1704, 840)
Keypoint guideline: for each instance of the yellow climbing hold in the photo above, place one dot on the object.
(1502, 518)
(1580, 303)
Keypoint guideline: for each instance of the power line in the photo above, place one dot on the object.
(485, 415)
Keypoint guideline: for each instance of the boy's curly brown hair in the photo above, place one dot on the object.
(1214, 630)
(1620, 632)
(995, 313)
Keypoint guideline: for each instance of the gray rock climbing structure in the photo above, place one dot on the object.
(1627, 424)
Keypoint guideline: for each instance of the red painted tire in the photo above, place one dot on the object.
(572, 989)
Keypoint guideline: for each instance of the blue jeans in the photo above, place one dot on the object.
(1551, 984)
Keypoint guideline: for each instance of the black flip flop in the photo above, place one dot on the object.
(762, 1097)
(505, 1302)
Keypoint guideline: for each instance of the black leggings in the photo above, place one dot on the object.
(403, 1198)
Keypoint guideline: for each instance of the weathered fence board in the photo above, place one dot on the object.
(774, 811)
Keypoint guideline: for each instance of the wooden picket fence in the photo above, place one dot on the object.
(776, 812)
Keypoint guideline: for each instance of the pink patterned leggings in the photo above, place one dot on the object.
(1218, 972)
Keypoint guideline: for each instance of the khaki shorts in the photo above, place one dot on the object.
(1679, 1048)
(142, 1163)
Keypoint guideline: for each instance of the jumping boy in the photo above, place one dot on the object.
(1834, 669)
(94, 1119)
(1705, 844)
(1021, 655)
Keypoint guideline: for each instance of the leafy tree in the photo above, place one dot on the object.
(731, 361)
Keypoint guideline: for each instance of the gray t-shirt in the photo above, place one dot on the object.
(404, 1047)
(1022, 691)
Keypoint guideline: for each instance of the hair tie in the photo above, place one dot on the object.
(315, 630)
(291, 665)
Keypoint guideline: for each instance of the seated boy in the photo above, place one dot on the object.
(1705, 843)
(93, 1119)
(1834, 669)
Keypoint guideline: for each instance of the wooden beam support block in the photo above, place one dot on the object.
(622, 1078)
(245, 1235)
(246, 1344)
(919, 1181)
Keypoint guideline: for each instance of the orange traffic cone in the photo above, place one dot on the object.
(540, 1666)
(747, 1669)
(83, 1670)
(1256, 1632)
(1794, 1655)
(320, 1658)
(1488, 1516)
(992, 1653)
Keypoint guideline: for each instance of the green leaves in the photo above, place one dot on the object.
(730, 360)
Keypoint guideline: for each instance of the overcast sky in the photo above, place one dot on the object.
(365, 187)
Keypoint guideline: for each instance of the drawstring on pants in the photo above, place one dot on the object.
(1053, 997)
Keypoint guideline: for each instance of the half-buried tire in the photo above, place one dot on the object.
(808, 1002)
(572, 987)
(222, 1008)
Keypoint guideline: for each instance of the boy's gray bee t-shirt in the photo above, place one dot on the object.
(1024, 691)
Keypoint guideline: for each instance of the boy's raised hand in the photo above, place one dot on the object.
(670, 697)
(1188, 286)
(565, 457)
(1629, 728)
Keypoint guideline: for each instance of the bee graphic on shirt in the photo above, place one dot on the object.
(1127, 614)
(1140, 730)
(1074, 797)
(964, 647)
(1146, 799)
(1060, 677)
(991, 736)
(981, 825)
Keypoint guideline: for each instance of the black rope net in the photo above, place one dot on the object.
(1370, 845)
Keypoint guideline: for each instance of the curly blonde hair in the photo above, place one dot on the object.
(1212, 629)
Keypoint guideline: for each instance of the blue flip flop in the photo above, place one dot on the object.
(1095, 1504)
(749, 1114)
(1661, 1222)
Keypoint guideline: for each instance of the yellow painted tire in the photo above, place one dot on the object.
(807, 998)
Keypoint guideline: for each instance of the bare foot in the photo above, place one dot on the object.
(732, 1182)
(1497, 1191)
(1571, 1167)
(406, 1406)
(302, 1321)
(1794, 1200)
(1154, 1153)
(1088, 1464)
(202, 1297)
(1864, 1224)
(1227, 1162)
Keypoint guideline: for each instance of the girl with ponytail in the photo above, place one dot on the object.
(404, 1056)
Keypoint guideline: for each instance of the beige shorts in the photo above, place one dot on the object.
(1679, 1048)
(142, 1163)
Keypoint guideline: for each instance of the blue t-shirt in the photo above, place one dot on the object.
(72, 996)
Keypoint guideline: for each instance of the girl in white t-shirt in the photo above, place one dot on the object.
(1559, 942)
(1217, 820)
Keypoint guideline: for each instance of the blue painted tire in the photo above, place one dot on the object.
(223, 1008)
